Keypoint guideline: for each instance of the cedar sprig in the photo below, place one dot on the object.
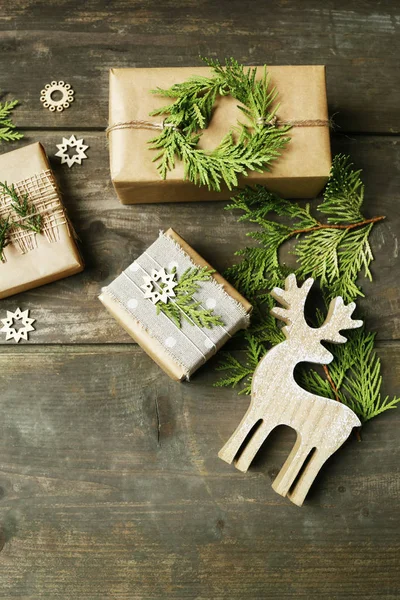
(29, 219)
(4, 239)
(184, 305)
(354, 377)
(8, 132)
(240, 372)
(243, 149)
(334, 252)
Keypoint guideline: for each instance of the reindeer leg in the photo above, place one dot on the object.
(231, 448)
(306, 479)
(291, 468)
(254, 445)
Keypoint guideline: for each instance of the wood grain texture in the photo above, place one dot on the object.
(78, 43)
(113, 235)
(103, 499)
(110, 484)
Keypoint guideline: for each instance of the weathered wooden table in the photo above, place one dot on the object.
(101, 498)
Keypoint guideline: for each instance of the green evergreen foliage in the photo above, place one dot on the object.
(184, 305)
(4, 226)
(334, 252)
(355, 376)
(8, 132)
(332, 246)
(243, 149)
(23, 209)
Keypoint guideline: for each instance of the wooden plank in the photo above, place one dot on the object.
(79, 42)
(113, 235)
(110, 484)
(100, 499)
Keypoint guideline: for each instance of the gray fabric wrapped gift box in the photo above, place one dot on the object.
(180, 351)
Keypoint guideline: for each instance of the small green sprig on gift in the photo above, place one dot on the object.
(334, 252)
(184, 305)
(4, 226)
(244, 148)
(25, 210)
(8, 132)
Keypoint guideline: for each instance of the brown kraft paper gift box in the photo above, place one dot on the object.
(300, 172)
(150, 345)
(33, 259)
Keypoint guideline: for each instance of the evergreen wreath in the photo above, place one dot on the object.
(334, 253)
(244, 148)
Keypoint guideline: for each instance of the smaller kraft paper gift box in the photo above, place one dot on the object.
(175, 306)
(300, 172)
(38, 240)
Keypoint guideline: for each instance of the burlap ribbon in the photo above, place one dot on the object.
(43, 195)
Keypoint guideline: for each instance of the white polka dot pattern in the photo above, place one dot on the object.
(170, 342)
(189, 345)
(132, 303)
(211, 303)
(134, 267)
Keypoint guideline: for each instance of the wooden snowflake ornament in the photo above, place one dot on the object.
(321, 424)
(20, 332)
(159, 286)
(72, 143)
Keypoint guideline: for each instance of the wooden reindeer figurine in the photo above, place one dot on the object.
(322, 424)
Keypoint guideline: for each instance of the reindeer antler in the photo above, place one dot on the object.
(338, 318)
(293, 298)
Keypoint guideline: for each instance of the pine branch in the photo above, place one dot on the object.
(344, 193)
(347, 227)
(24, 209)
(4, 230)
(184, 305)
(8, 131)
(335, 253)
(29, 219)
(241, 372)
(354, 377)
(238, 373)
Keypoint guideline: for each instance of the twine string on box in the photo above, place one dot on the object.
(141, 124)
(273, 122)
(164, 315)
(179, 308)
(43, 195)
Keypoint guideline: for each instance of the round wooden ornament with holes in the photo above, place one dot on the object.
(67, 96)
